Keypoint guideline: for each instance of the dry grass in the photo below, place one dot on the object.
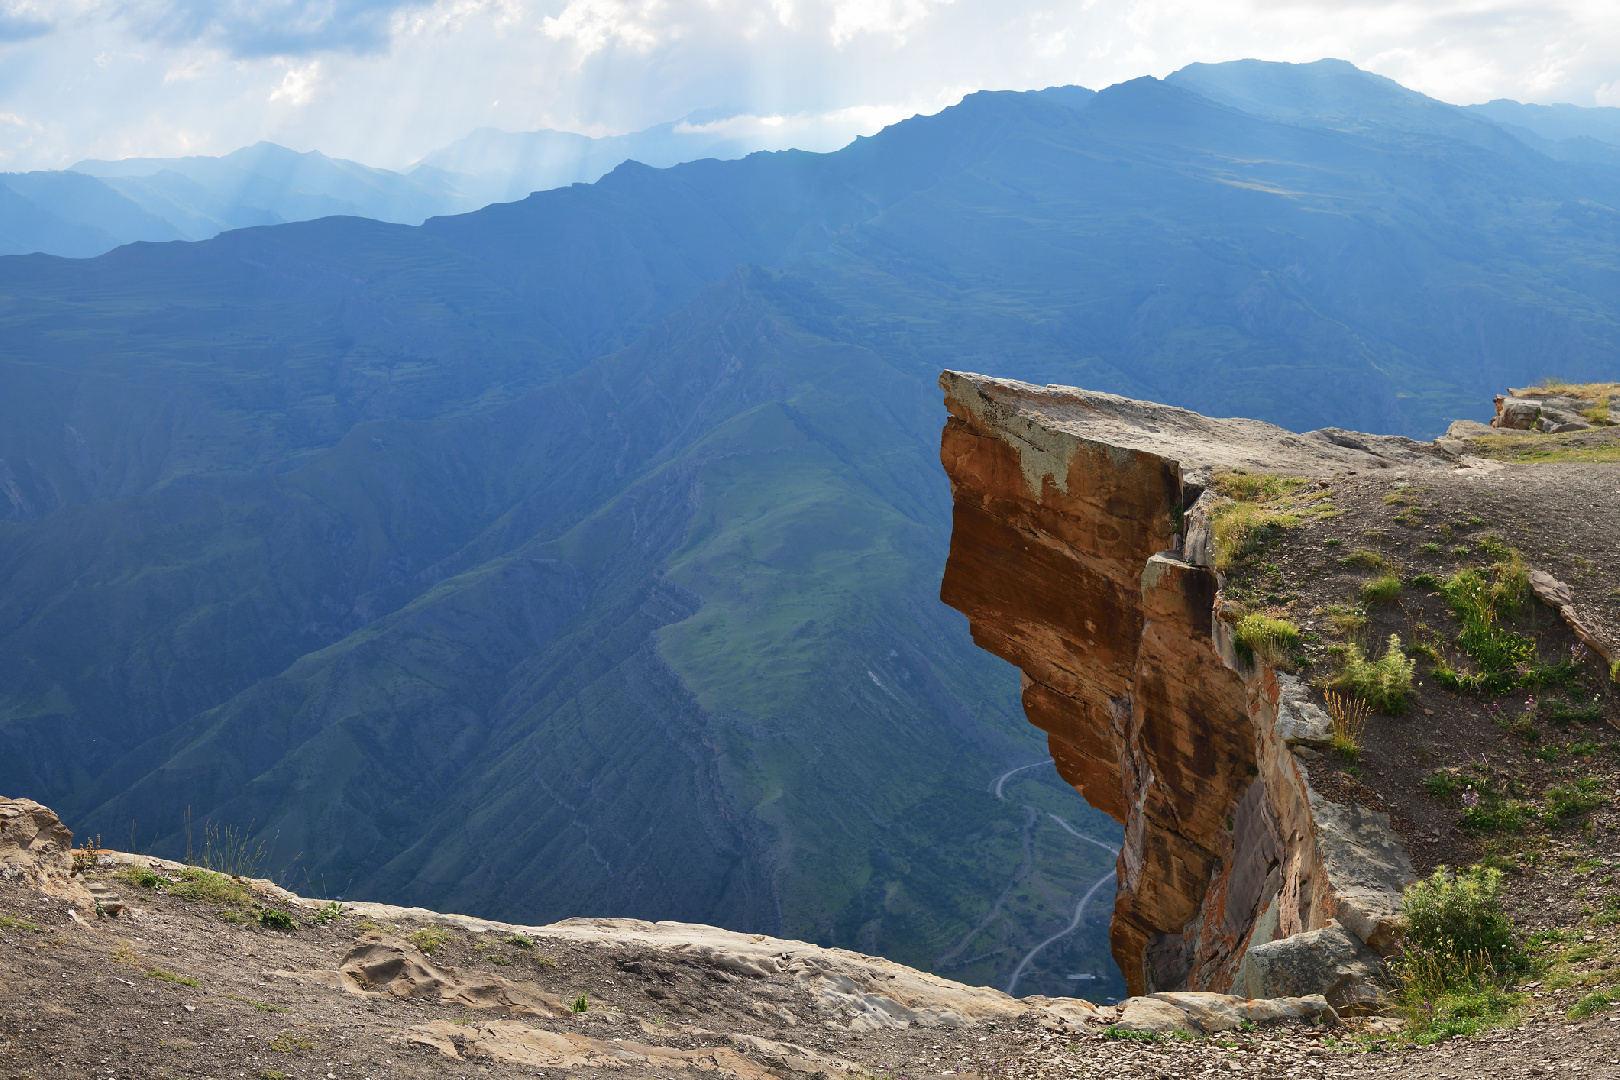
(1349, 721)
(1592, 391)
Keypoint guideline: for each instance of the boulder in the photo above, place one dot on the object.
(1367, 867)
(1209, 1013)
(1300, 721)
(36, 846)
(1331, 962)
(1198, 1013)
(1547, 413)
(1152, 1015)
(1516, 414)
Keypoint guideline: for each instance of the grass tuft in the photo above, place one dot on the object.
(428, 938)
(1594, 1002)
(1257, 507)
(1383, 589)
(1368, 559)
(169, 976)
(1270, 639)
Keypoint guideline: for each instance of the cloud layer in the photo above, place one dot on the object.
(385, 81)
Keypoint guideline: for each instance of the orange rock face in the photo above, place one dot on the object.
(1067, 560)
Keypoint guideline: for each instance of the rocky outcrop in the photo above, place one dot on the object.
(37, 847)
(1547, 411)
(1080, 552)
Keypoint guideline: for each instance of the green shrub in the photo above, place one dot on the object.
(1456, 950)
(143, 876)
(580, 1004)
(1383, 589)
(1495, 547)
(428, 938)
(1594, 1002)
(1568, 712)
(1568, 800)
(520, 941)
(1426, 581)
(327, 913)
(1270, 639)
(274, 918)
(1459, 918)
(1383, 684)
(1431, 548)
(1441, 785)
(1503, 656)
(1494, 814)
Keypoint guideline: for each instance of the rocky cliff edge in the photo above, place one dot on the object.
(1081, 551)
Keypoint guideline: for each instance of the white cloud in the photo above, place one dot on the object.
(299, 84)
(397, 78)
(593, 25)
(885, 17)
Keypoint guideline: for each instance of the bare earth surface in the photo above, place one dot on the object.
(97, 999)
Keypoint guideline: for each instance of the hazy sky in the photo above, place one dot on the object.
(385, 81)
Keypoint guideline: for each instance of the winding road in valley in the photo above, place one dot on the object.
(996, 786)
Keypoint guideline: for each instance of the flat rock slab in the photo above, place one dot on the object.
(1047, 420)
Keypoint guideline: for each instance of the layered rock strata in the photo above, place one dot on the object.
(1081, 552)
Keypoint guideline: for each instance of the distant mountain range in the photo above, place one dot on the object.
(194, 198)
(98, 205)
(580, 555)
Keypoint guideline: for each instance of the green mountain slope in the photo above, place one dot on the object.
(580, 555)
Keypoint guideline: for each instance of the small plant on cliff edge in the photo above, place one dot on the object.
(580, 1004)
(1265, 637)
(1349, 721)
(1257, 506)
(1384, 684)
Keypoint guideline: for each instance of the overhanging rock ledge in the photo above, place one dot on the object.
(1080, 552)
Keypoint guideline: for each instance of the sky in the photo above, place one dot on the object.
(387, 81)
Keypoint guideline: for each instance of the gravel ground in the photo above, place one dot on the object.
(84, 1000)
